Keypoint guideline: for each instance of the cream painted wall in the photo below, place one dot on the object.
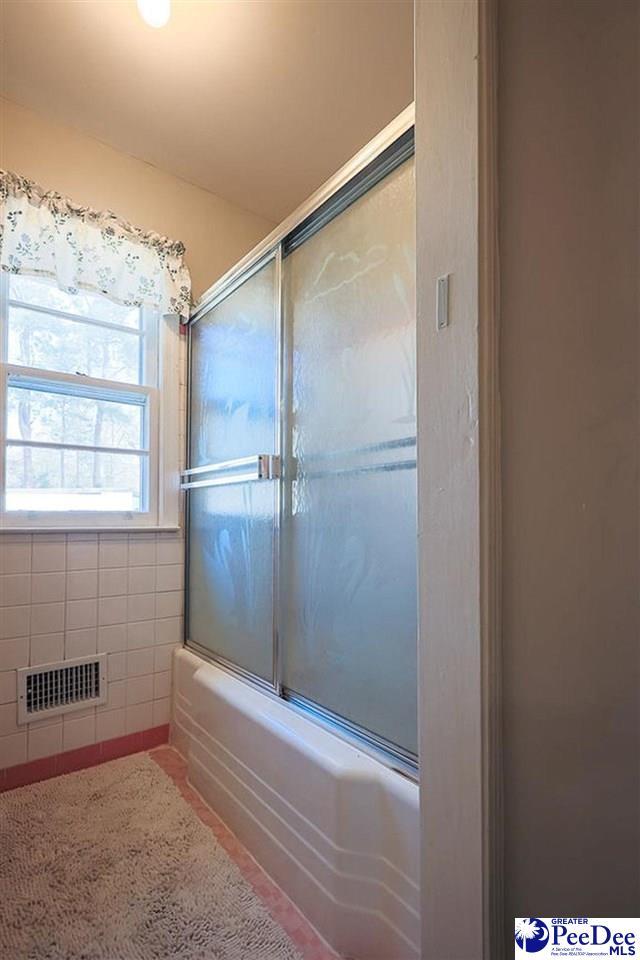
(216, 233)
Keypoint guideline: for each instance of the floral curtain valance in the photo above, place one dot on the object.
(43, 233)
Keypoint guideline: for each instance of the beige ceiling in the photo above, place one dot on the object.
(258, 101)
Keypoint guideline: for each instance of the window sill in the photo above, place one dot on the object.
(90, 529)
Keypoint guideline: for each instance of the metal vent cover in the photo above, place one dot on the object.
(54, 688)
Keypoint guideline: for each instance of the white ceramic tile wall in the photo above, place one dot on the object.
(71, 595)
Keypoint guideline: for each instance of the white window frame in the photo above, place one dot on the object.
(161, 446)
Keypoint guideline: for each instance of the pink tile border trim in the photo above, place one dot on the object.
(35, 770)
(307, 940)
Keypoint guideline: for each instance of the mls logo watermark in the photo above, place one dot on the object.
(532, 934)
(577, 936)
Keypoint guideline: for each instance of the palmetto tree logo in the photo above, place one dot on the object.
(531, 934)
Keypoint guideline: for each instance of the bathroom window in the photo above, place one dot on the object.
(81, 379)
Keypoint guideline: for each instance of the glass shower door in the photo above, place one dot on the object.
(349, 538)
(301, 513)
(232, 497)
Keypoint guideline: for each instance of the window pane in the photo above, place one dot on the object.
(44, 293)
(60, 418)
(53, 343)
(40, 479)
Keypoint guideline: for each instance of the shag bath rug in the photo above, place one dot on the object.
(112, 864)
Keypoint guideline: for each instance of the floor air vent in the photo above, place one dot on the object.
(61, 687)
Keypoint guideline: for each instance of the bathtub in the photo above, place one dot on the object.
(335, 828)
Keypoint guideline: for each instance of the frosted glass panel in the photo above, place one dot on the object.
(349, 533)
(230, 573)
(233, 384)
(233, 374)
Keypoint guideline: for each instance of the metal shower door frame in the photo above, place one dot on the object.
(387, 151)
(267, 467)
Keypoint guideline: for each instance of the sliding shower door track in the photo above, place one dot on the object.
(389, 754)
(266, 686)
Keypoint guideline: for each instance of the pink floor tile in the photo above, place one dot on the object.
(72, 760)
(281, 908)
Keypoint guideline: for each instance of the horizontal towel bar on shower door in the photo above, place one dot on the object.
(266, 466)
(386, 467)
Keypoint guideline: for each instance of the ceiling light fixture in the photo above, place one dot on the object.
(155, 12)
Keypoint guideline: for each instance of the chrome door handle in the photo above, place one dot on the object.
(262, 466)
